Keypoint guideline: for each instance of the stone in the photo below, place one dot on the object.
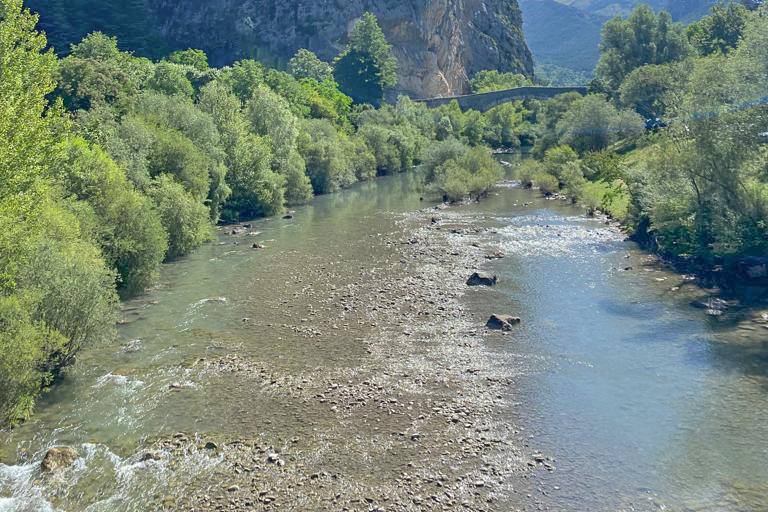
(478, 279)
(502, 322)
(59, 457)
(150, 455)
(257, 246)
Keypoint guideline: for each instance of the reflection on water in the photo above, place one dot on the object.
(642, 400)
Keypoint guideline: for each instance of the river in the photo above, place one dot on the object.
(635, 400)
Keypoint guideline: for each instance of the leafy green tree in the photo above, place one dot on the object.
(270, 115)
(651, 90)
(643, 38)
(305, 64)
(505, 125)
(367, 68)
(190, 57)
(170, 79)
(548, 116)
(591, 123)
(26, 78)
(97, 74)
(493, 80)
(187, 144)
(184, 217)
(243, 78)
(328, 156)
(123, 221)
(721, 31)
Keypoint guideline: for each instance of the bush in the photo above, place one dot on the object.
(547, 183)
(458, 171)
(526, 172)
(125, 223)
(185, 219)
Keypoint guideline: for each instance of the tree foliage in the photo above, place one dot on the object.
(367, 68)
(643, 38)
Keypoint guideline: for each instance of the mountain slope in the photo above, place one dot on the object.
(562, 35)
(439, 44)
(681, 10)
(566, 33)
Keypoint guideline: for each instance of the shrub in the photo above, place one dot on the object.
(185, 219)
(547, 183)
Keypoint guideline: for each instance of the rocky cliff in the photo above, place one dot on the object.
(438, 43)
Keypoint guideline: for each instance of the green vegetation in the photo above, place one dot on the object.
(492, 80)
(366, 68)
(643, 38)
(112, 164)
(697, 189)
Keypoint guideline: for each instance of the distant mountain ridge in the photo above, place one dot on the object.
(566, 33)
(681, 10)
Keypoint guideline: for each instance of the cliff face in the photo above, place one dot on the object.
(439, 44)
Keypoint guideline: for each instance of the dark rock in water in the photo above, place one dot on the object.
(502, 322)
(210, 445)
(478, 279)
(288, 216)
(247, 226)
(150, 455)
(59, 457)
(257, 246)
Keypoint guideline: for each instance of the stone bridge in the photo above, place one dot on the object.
(487, 100)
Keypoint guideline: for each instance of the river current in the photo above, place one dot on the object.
(641, 401)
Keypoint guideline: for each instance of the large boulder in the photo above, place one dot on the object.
(59, 457)
(502, 322)
(478, 279)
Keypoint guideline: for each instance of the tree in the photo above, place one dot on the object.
(592, 123)
(721, 31)
(184, 218)
(305, 64)
(651, 90)
(190, 57)
(170, 79)
(644, 38)
(27, 76)
(243, 78)
(123, 221)
(367, 67)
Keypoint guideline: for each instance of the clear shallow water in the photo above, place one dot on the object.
(642, 400)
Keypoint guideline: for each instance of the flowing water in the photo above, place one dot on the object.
(643, 402)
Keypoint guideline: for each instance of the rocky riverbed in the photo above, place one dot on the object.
(414, 421)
